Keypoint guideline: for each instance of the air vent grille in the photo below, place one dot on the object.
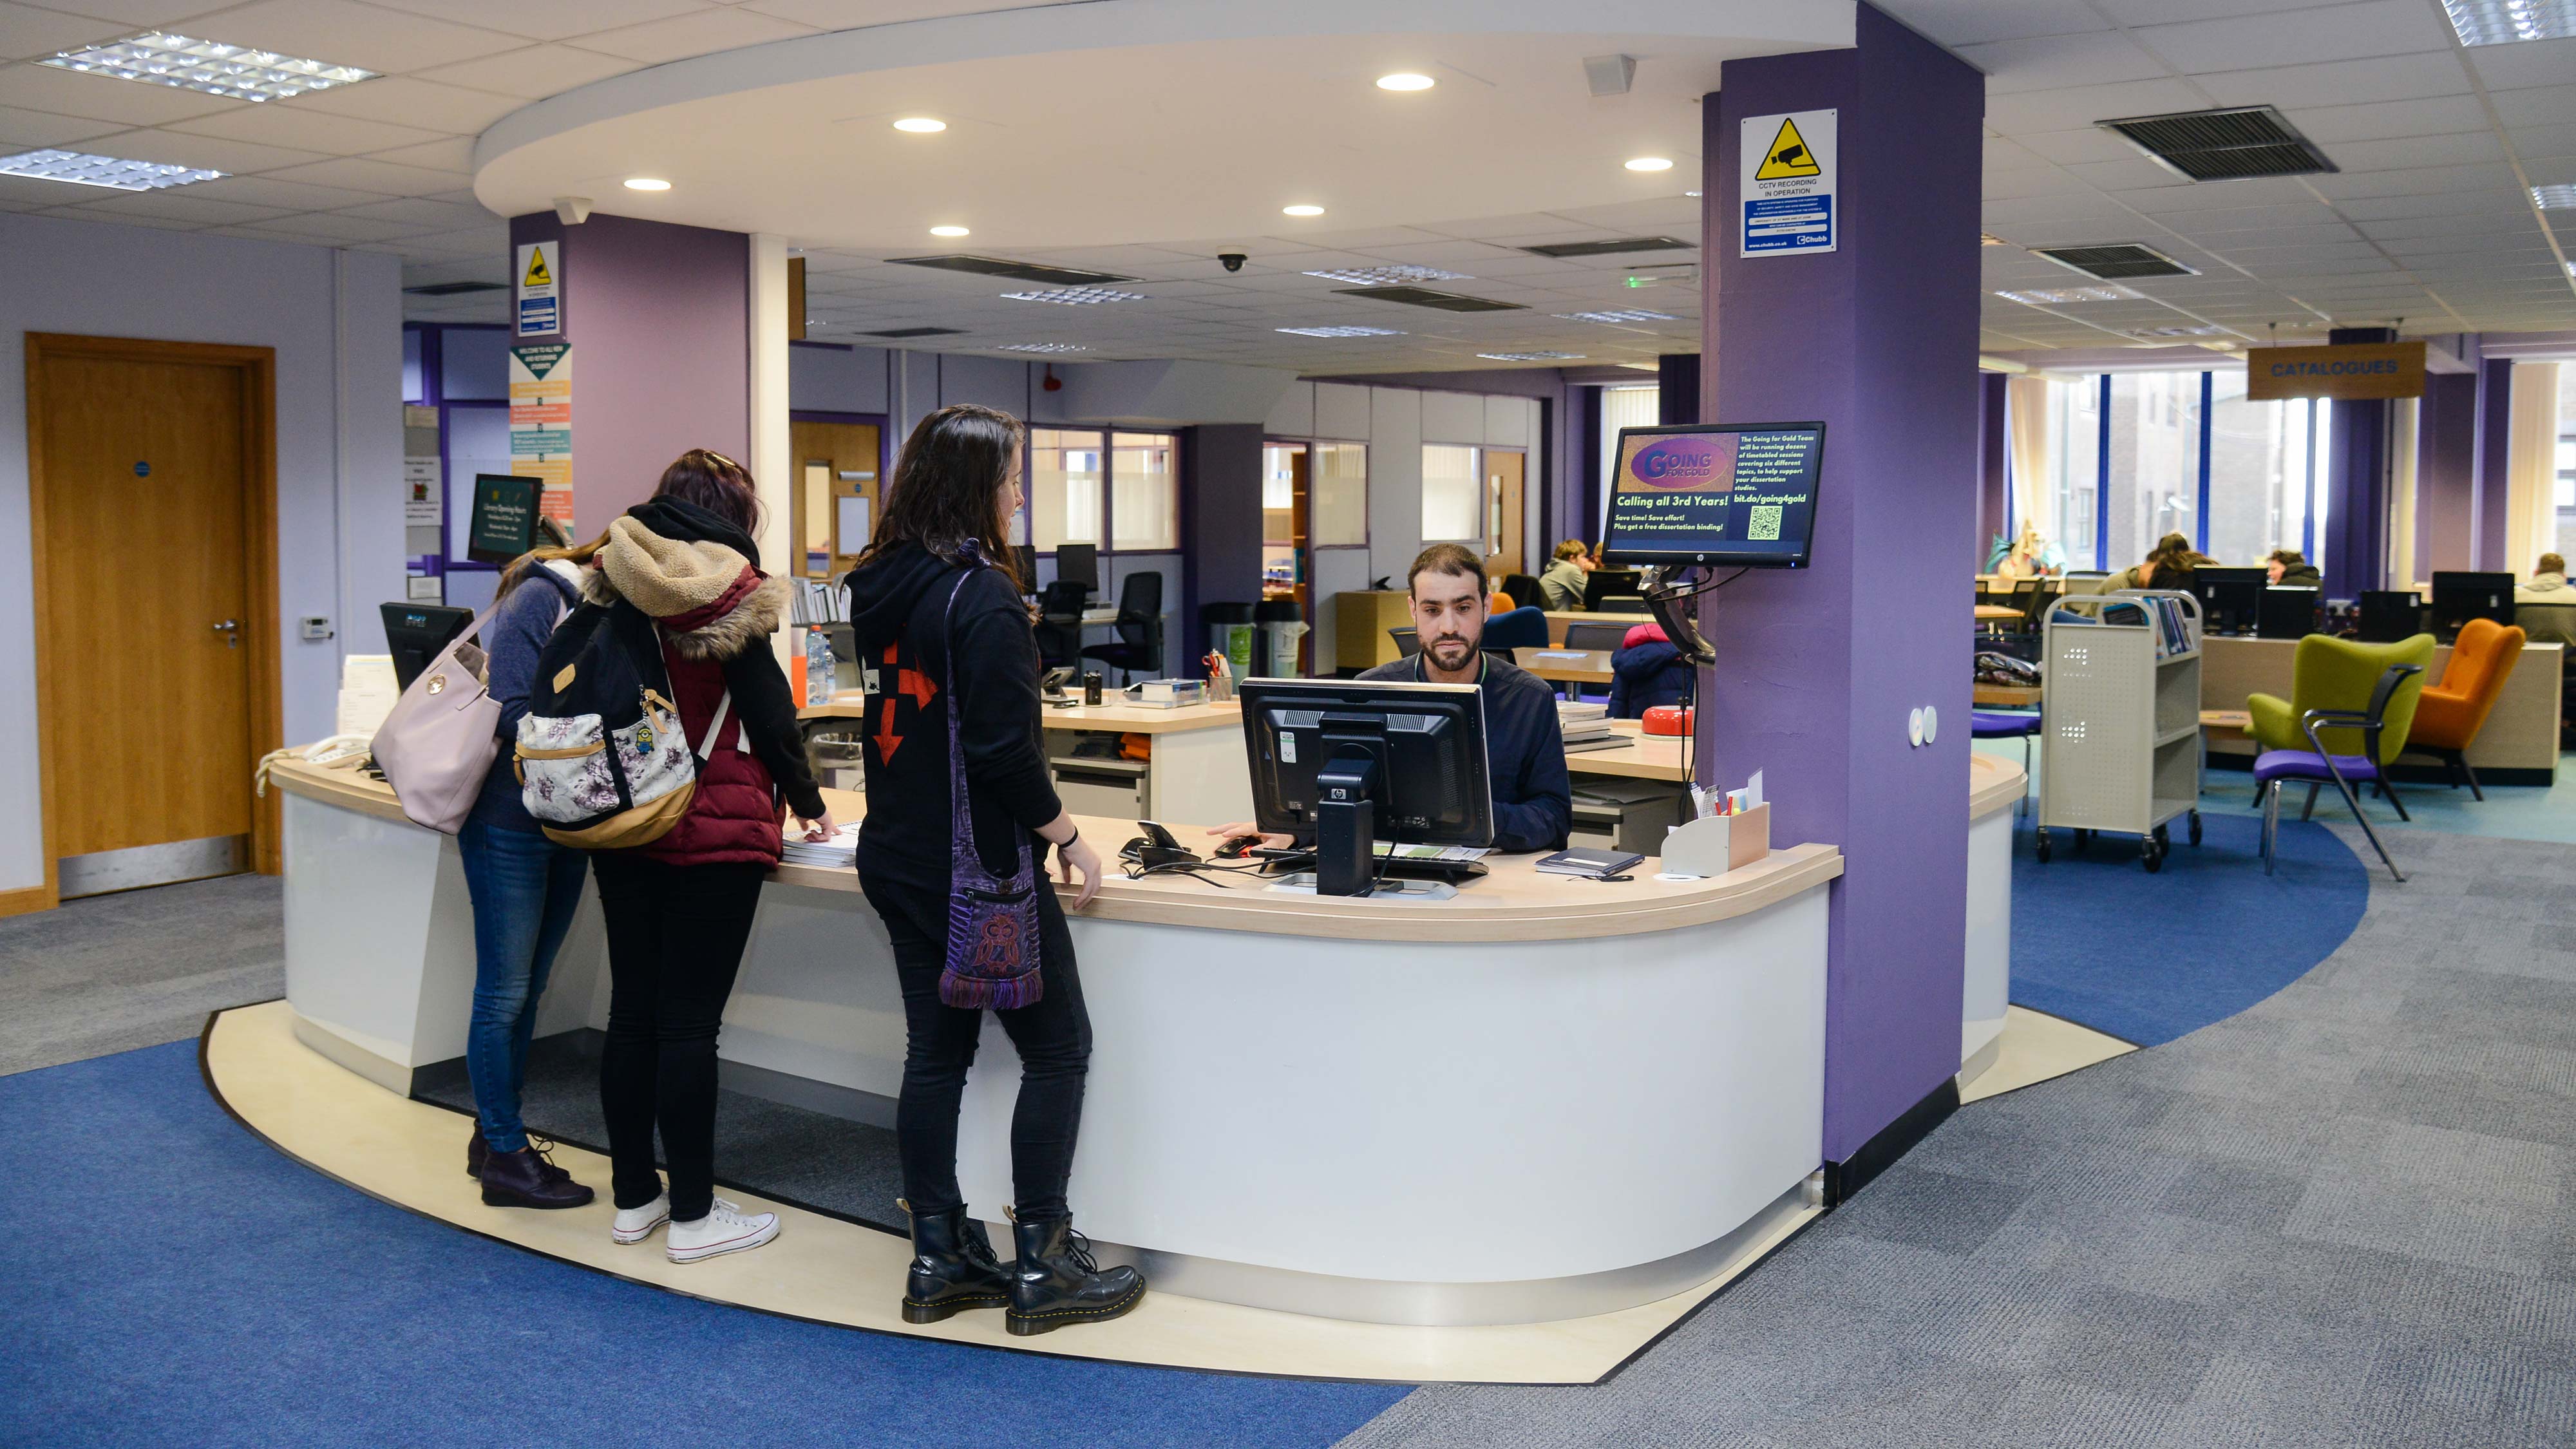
(1016, 271)
(2223, 145)
(2116, 261)
(1425, 297)
(1565, 250)
(455, 289)
(918, 332)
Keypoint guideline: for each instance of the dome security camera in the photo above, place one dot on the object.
(1232, 261)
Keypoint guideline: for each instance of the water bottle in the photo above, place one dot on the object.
(818, 665)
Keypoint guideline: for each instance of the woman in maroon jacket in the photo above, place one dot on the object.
(679, 910)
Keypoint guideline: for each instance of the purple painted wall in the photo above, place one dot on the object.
(1677, 386)
(659, 319)
(2354, 549)
(2495, 433)
(1993, 450)
(1220, 527)
(1818, 669)
(2446, 475)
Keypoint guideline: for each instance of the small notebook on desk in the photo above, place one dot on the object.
(1580, 860)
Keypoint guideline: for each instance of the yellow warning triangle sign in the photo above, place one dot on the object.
(538, 276)
(1788, 155)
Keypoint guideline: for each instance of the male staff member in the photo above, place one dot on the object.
(1524, 750)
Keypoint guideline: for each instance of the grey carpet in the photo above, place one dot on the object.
(778, 1151)
(2341, 1218)
(136, 969)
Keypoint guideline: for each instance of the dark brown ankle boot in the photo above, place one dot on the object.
(526, 1179)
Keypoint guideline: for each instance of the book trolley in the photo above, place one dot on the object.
(2120, 719)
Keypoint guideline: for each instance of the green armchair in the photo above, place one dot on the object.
(2332, 673)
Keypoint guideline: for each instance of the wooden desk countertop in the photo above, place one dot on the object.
(1513, 903)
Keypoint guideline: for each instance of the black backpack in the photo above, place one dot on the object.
(603, 760)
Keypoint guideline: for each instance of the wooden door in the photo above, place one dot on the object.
(837, 497)
(156, 605)
(1504, 523)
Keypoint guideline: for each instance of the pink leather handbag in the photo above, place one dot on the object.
(439, 742)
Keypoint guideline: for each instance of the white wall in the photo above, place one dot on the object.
(335, 319)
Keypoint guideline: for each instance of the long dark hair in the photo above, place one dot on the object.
(715, 483)
(947, 488)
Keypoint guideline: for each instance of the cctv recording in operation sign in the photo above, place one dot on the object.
(1787, 189)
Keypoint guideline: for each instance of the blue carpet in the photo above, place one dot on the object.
(176, 1281)
(2099, 941)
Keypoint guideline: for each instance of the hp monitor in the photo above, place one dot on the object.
(504, 522)
(1341, 765)
(2288, 612)
(2231, 600)
(1608, 588)
(2460, 597)
(1725, 495)
(2388, 615)
(1078, 563)
(414, 633)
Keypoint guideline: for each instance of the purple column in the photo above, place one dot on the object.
(2446, 475)
(2494, 444)
(659, 318)
(1220, 527)
(1992, 453)
(1677, 388)
(2353, 550)
(1818, 669)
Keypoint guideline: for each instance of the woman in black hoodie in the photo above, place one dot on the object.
(935, 605)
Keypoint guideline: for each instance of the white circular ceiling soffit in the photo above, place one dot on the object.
(1137, 121)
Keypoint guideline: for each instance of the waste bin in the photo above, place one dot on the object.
(1281, 625)
(1232, 633)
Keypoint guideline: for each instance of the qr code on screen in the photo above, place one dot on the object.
(1766, 521)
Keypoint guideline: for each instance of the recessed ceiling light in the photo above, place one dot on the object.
(920, 125)
(1651, 163)
(1692, 194)
(1301, 210)
(647, 183)
(157, 57)
(2497, 22)
(1042, 347)
(949, 231)
(1382, 276)
(1340, 331)
(83, 169)
(1623, 314)
(1531, 356)
(1077, 296)
(2060, 295)
(2554, 198)
(1405, 80)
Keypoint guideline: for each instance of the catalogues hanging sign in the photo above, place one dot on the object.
(1786, 164)
(541, 422)
(537, 285)
(2352, 372)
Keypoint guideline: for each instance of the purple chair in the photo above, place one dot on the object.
(1988, 724)
(2317, 767)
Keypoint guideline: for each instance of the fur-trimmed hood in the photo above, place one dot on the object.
(692, 572)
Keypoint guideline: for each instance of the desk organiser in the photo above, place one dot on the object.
(1716, 844)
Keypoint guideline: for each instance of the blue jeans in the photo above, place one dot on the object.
(525, 889)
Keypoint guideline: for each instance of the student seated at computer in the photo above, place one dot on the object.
(1524, 750)
(2547, 584)
(2290, 569)
(1647, 670)
(2169, 567)
(1561, 587)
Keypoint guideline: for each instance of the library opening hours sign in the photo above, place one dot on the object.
(1786, 187)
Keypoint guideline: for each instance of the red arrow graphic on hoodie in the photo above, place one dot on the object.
(908, 682)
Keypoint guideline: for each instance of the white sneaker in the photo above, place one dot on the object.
(725, 1229)
(634, 1225)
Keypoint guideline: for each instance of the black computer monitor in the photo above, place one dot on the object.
(503, 524)
(414, 633)
(2288, 611)
(1602, 586)
(1078, 563)
(2460, 597)
(1344, 764)
(2388, 615)
(2231, 600)
(1728, 495)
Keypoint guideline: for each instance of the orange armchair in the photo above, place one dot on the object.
(2449, 715)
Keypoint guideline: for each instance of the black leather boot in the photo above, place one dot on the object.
(525, 1179)
(476, 1149)
(1055, 1282)
(953, 1267)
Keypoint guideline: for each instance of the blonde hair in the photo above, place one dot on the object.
(1571, 548)
(2551, 563)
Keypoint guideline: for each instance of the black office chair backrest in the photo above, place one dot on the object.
(1596, 636)
(1523, 591)
(1140, 609)
(1408, 641)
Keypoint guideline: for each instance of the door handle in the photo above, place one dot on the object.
(231, 630)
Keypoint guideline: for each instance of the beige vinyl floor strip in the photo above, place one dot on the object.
(820, 1268)
(2037, 1047)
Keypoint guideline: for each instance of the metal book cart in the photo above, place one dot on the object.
(2120, 718)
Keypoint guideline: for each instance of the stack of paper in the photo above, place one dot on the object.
(1586, 725)
(839, 852)
(367, 693)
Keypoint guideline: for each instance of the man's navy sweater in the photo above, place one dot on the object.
(1524, 750)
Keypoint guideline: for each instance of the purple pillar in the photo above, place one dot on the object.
(1993, 447)
(2494, 444)
(2446, 475)
(659, 318)
(1818, 669)
(1220, 527)
(1677, 388)
(2353, 550)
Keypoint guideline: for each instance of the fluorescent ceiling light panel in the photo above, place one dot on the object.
(83, 169)
(1386, 276)
(2501, 22)
(1043, 347)
(1405, 80)
(1624, 314)
(1340, 331)
(2554, 198)
(236, 72)
(1530, 356)
(1301, 209)
(2056, 295)
(1077, 296)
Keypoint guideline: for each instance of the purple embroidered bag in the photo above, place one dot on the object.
(992, 921)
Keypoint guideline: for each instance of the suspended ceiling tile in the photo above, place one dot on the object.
(2202, 196)
(549, 19)
(344, 32)
(2467, 209)
(2333, 126)
(27, 33)
(455, 154)
(179, 148)
(137, 14)
(361, 174)
(121, 218)
(23, 130)
(1975, 22)
(339, 226)
(2331, 83)
(100, 98)
(697, 33)
(413, 102)
(2418, 181)
(282, 123)
(534, 73)
(2534, 106)
(431, 216)
(2469, 148)
(2325, 33)
(284, 195)
(2072, 107)
(2048, 62)
(176, 205)
(2087, 143)
(2524, 63)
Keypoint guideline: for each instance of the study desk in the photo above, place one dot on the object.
(2518, 745)
(1559, 620)
(1291, 1099)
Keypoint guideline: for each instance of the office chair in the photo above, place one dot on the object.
(1140, 628)
(1059, 626)
(1595, 636)
(1517, 629)
(1523, 591)
(1408, 640)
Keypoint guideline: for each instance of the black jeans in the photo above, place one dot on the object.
(1054, 1041)
(675, 940)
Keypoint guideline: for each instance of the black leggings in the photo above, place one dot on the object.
(675, 940)
(1054, 1041)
